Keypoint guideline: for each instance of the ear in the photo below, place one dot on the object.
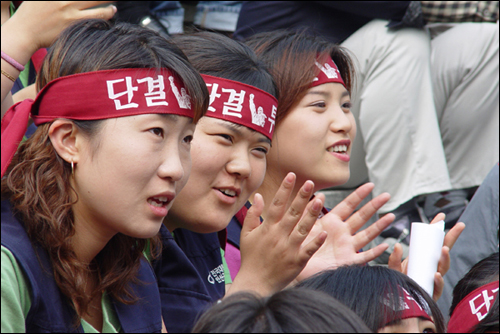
(66, 140)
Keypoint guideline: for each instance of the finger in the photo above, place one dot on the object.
(444, 261)
(104, 13)
(438, 286)
(278, 206)
(357, 220)
(396, 257)
(351, 202)
(451, 237)
(363, 238)
(307, 251)
(371, 254)
(296, 209)
(252, 219)
(306, 223)
(89, 4)
(440, 216)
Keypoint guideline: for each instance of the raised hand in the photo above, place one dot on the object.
(274, 252)
(343, 243)
(444, 260)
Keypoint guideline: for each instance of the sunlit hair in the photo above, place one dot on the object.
(37, 182)
(291, 59)
(364, 288)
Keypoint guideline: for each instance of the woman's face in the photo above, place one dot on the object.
(410, 325)
(314, 139)
(128, 177)
(229, 164)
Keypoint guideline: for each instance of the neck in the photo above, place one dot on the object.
(88, 239)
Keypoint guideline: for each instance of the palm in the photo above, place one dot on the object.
(343, 243)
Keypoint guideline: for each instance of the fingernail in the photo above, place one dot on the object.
(308, 186)
(289, 178)
(316, 205)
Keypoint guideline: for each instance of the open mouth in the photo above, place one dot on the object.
(228, 192)
(160, 201)
(338, 149)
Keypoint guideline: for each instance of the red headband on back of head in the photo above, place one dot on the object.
(242, 104)
(408, 307)
(473, 308)
(96, 95)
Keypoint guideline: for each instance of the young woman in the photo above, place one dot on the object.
(386, 300)
(115, 115)
(229, 160)
(313, 137)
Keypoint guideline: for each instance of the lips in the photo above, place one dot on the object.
(340, 147)
(161, 200)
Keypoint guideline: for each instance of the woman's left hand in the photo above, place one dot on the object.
(343, 243)
(444, 261)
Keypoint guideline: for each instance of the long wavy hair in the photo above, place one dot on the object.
(37, 182)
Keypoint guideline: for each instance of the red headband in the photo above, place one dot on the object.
(93, 96)
(473, 308)
(408, 308)
(242, 104)
(329, 72)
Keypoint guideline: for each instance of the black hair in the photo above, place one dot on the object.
(220, 56)
(489, 324)
(364, 288)
(482, 273)
(287, 311)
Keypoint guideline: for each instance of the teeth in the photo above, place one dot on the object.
(338, 148)
(158, 201)
(228, 192)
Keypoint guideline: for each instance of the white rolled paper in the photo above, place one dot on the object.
(426, 241)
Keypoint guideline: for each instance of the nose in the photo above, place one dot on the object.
(239, 164)
(340, 121)
(175, 164)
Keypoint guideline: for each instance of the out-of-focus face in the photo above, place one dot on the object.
(229, 164)
(314, 139)
(128, 181)
(410, 325)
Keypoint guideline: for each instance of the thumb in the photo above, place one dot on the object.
(252, 219)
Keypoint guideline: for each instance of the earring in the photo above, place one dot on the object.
(72, 169)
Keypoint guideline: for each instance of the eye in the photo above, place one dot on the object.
(260, 151)
(226, 137)
(347, 105)
(157, 131)
(428, 330)
(319, 104)
(188, 139)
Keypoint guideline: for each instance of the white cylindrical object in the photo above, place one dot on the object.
(426, 241)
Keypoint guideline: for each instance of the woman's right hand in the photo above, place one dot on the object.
(274, 253)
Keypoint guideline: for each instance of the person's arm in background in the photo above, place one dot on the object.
(35, 25)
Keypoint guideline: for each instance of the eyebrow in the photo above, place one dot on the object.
(327, 94)
(236, 128)
(173, 117)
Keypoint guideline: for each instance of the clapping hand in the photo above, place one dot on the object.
(275, 252)
(343, 243)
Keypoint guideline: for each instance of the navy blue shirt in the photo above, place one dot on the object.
(334, 20)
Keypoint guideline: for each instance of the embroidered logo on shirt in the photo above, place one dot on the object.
(216, 274)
